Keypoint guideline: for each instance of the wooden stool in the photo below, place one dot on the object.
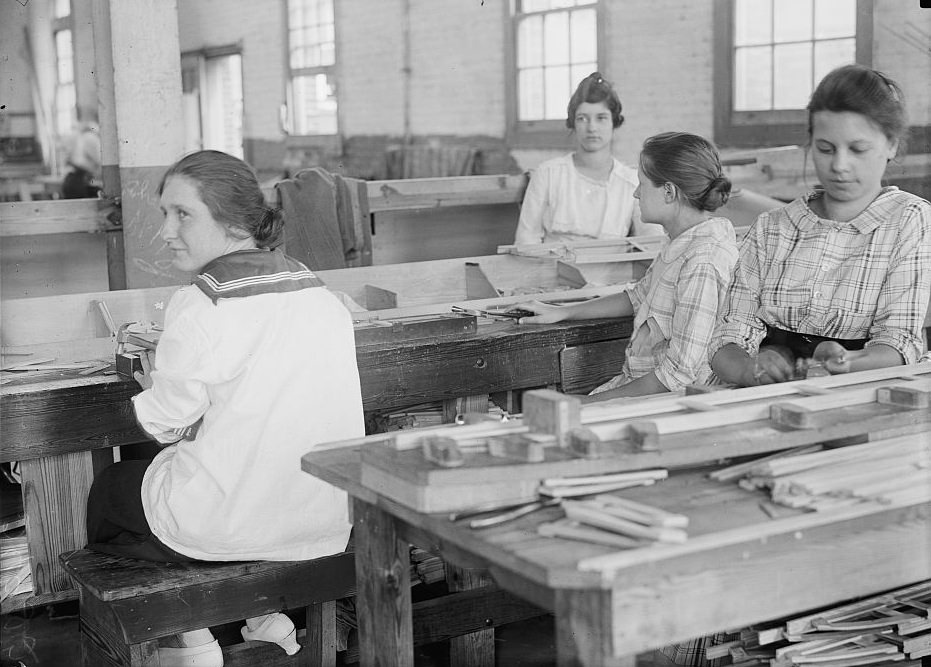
(126, 605)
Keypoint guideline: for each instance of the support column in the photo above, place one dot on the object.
(146, 65)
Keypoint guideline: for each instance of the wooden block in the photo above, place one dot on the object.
(442, 451)
(547, 411)
(586, 443)
(906, 397)
(518, 447)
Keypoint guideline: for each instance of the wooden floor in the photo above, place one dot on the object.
(49, 636)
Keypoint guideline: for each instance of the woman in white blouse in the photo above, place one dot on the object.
(587, 194)
(256, 365)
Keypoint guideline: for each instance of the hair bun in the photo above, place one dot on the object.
(716, 194)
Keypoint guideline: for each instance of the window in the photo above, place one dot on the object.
(65, 100)
(312, 60)
(770, 55)
(555, 46)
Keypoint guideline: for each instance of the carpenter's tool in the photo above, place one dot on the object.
(492, 515)
(128, 362)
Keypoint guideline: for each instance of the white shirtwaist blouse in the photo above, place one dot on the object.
(271, 374)
(561, 204)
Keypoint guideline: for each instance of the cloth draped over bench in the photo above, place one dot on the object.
(324, 226)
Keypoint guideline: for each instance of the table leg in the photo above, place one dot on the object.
(477, 648)
(583, 630)
(383, 597)
(55, 492)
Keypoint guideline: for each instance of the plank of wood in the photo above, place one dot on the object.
(22, 218)
(56, 319)
(415, 193)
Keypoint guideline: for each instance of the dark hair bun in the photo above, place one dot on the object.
(717, 194)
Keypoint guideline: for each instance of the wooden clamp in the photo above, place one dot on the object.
(442, 451)
(548, 411)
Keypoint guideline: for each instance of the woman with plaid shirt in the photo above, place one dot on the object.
(675, 304)
(841, 276)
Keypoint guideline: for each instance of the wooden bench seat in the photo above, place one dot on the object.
(126, 605)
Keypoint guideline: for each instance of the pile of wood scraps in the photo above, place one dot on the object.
(891, 627)
(616, 521)
(887, 471)
(27, 363)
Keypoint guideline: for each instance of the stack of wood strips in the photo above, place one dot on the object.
(891, 471)
(616, 521)
(892, 627)
(15, 576)
(426, 568)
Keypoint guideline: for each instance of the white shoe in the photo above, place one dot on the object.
(274, 628)
(180, 653)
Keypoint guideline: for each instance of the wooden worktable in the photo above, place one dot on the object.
(62, 427)
(738, 567)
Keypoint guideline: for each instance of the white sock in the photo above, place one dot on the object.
(196, 637)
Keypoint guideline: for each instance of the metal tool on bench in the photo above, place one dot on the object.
(129, 362)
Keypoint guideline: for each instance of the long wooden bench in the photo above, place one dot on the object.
(126, 605)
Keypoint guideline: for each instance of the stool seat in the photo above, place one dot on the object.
(127, 604)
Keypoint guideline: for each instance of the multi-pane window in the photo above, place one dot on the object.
(312, 60)
(557, 47)
(65, 100)
(782, 48)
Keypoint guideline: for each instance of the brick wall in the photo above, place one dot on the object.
(658, 54)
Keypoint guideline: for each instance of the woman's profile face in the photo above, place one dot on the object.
(594, 127)
(850, 154)
(190, 231)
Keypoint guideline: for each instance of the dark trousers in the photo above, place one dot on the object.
(116, 522)
(77, 185)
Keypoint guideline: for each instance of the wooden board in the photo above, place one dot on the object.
(28, 218)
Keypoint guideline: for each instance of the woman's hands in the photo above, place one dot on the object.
(144, 378)
(833, 356)
(768, 367)
(543, 313)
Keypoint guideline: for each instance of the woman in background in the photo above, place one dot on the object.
(587, 194)
(675, 304)
(841, 276)
(255, 367)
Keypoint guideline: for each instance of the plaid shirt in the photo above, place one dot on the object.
(866, 278)
(676, 305)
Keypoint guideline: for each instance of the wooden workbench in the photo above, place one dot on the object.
(62, 429)
(738, 567)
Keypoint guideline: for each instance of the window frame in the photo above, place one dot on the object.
(327, 141)
(538, 134)
(759, 129)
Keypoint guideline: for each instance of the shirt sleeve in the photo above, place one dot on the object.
(178, 396)
(904, 298)
(530, 224)
(698, 292)
(740, 323)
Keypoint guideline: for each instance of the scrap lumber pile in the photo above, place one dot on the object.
(888, 471)
(892, 627)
